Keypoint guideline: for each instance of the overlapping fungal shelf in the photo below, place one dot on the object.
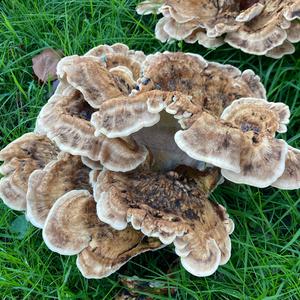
(261, 27)
(126, 152)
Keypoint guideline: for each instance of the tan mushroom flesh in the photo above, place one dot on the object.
(242, 142)
(213, 86)
(119, 55)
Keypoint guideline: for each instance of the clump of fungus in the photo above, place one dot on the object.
(128, 149)
(262, 27)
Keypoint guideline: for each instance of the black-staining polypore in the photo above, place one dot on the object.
(119, 161)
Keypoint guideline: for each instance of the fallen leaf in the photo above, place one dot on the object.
(44, 64)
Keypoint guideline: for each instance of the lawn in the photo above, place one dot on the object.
(265, 262)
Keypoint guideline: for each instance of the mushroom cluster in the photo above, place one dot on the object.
(261, 27)
(126, 152)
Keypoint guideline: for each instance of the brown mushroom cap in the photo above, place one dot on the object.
(171, 208)
(182, 87)
(72, 227)
(184, 73)
(285, 48)
(290, 178)
(265, 116)
(181, 11)
(127, 115)
(66, 120)
(160, 32)
(211, 141)
(21, 157)
(213, 86)
(124, 79)
(90, 77)
(216, 19)
(254, 26)
(45, 186)
(109, 120)
(251, 12)
(199, 35)
(92, 164)
(266, 31)
(179, 31)
(122, 116)
(293, 33)
(292, 10)
(119, 55)
(261, 165)
(244, 145)
(124, 68)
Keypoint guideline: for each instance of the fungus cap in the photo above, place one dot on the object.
(290, 179)
(45, 186)
(242, 142)
(72, 227)
(293, 32)
(119, 55)
(266, 31)
(180, 74)
(213, 86)
(171, 208)
(253, 26)
(92, 164)
(285, 48)
(149, 7)
(199, 35)
(90, 77)
(21, 157)
(66, 120)
(266, 116)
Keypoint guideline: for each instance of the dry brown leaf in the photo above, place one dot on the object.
(44, 64)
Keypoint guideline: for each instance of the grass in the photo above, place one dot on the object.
(265, 261)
